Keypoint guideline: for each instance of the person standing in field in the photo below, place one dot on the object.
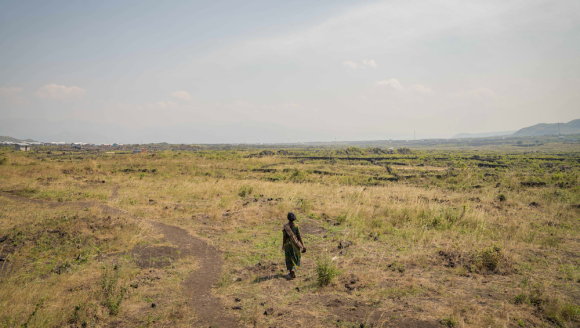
(292, 245)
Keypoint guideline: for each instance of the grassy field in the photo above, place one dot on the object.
(464, 236)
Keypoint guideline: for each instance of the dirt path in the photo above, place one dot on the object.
(198, 286)
(114, 193)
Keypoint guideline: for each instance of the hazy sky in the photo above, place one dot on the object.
(347, 69)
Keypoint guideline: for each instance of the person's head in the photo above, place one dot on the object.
(291, 217)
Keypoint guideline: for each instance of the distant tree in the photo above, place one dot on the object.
(520, 142)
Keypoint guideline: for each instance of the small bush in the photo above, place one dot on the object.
(3, 161)
(570, 312)
(245, 191)
(562, 313)
(396, 266)
(297, 175)
(325, 270)
(502, 197)
(111, 291)
(488, 259)
(341, 218)
(449, 321)
(520, 299)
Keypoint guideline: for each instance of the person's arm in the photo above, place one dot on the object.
(284, 238)
(299, 236)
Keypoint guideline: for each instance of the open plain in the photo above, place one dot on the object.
(469, 236)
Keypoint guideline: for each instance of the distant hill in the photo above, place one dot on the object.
(10, 139)
(546, 128)
(481, 135)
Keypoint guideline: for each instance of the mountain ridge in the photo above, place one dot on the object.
(549, 128)
(10, 139)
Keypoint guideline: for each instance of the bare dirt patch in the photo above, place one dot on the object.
(347, 312)
(156, 256)
(311, 229)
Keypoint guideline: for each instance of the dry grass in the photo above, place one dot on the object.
(400, 234)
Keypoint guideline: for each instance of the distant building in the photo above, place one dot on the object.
(21, 147)
(140, 151)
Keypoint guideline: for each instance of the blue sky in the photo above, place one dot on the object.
(350, 70)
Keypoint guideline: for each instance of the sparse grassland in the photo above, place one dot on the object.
(455, 238)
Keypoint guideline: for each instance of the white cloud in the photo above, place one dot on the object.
(370, 63)
(421, 89)
(392, 83)
(61, 92)
(349, 64)
(183, 95)
(12, 96)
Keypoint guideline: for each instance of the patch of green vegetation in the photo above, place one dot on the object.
(326, 271)
(245, 191)
(449, 321)
(112, 293)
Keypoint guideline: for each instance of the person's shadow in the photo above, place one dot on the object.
(268, 277)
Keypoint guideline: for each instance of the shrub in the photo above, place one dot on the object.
(325, 270)
(449, 321)
(342, 218)
(502, 197)
(112, 293)
(297, 175)
(245, 191)
(396, 266)
(562, 313)
(488, 259)
(520, 299)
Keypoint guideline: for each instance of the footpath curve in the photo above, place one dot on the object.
(198, 285)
